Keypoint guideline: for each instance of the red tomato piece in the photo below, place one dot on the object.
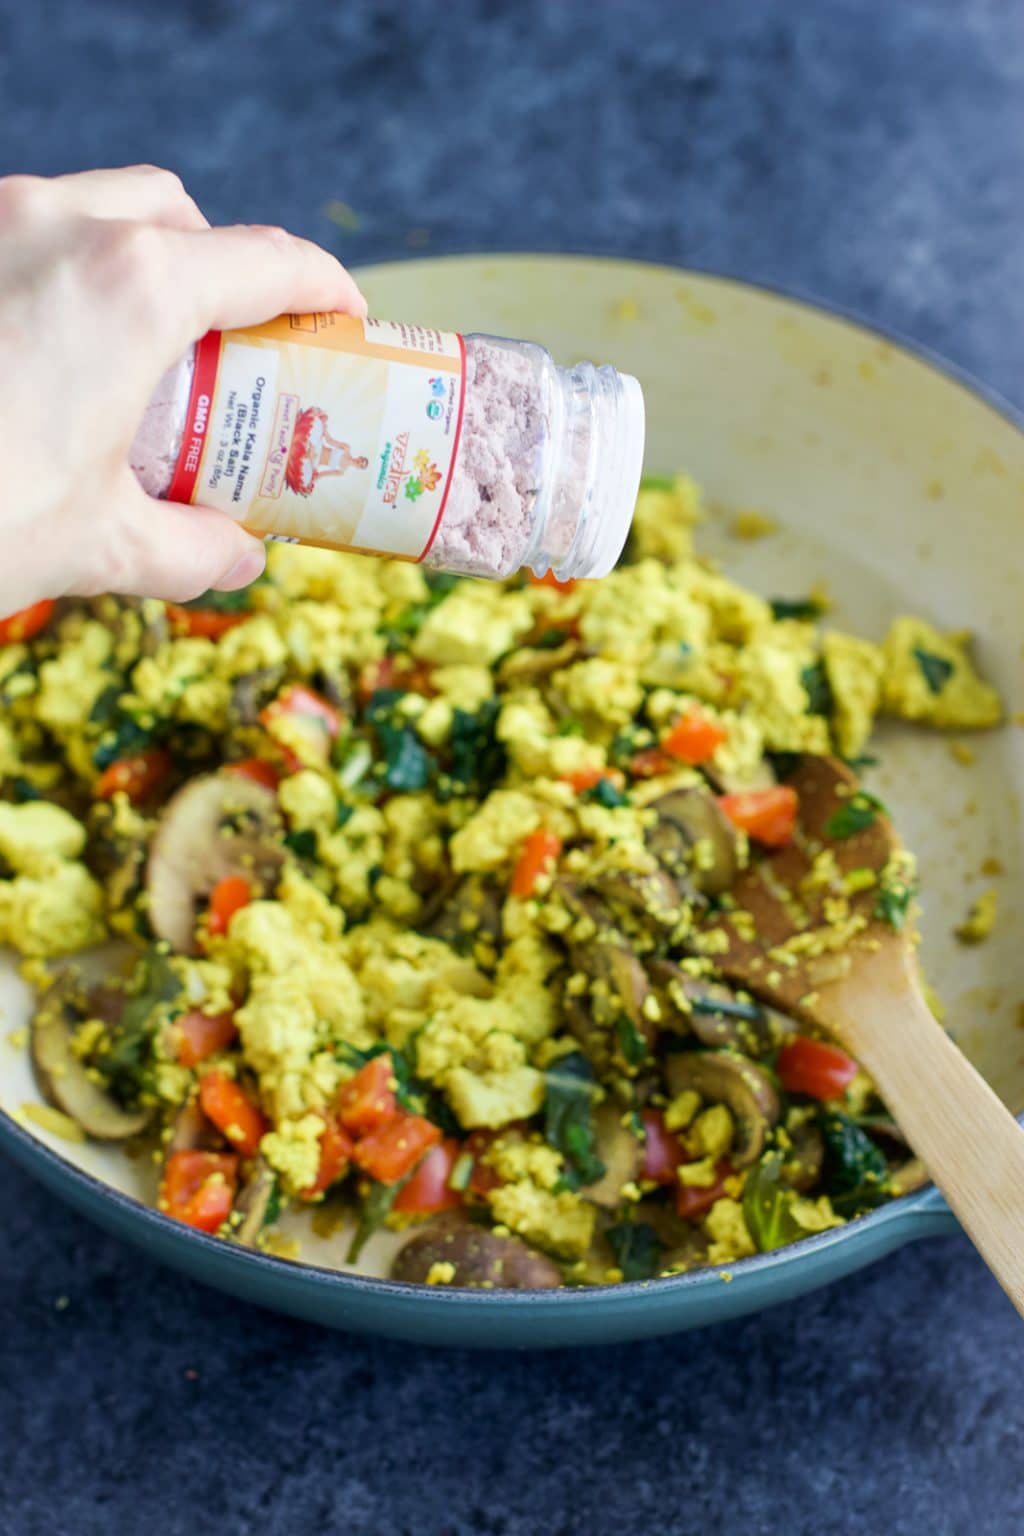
(203, 623)
(663, 1151)
(26, 622)
(428, 1189)
(255, 768)
(766, 815)
(694, 738)
(399, 672)
(813, 1067)
(198, 1188)
(588, 778)
(693, 1200)
(483, 1177)
(393, 1149)
(335, 1156)
(538, 858)
(137, 776)
(228, 896)
(368, 1100)
(300, 700)
(202, 1034)
(650, 764)
(232, 1111)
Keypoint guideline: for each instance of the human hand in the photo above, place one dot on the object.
(106, 279)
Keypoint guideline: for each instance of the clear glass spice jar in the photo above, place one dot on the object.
(473, 454)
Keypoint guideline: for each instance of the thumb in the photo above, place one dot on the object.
(164, 549)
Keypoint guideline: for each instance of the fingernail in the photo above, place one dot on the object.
(244, 571)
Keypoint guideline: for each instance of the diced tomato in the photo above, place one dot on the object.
(335, 1156)
(813, 1067)
(540, 852)
(549, 579)
(693, 1200)
(228, 896)
(694, 738)
(368, 1100)
(202, 1034)
(310, 717)
(198, 1188)
(587, 778)
(300, 700)
(393, 1149)
(399, 672)
(767, 815)
(203, 623)
(26, 622)
(663, 1151)
(651, 763)
(428, 1190)
(232, 1112)
(483, 1177)
(255, 768)
(137, 776)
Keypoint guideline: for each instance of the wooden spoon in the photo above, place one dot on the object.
(863, 986)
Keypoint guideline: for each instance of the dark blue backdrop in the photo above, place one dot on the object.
(866, 151)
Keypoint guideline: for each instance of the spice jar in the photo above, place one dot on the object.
(473, 454)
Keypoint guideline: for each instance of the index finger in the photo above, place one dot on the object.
(244, 274)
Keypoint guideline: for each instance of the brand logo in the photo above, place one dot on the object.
(400, 474)
(303, 452)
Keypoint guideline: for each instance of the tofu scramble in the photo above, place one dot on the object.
(408, 879)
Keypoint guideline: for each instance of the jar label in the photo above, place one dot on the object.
(328, 430)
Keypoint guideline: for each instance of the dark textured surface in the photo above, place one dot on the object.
(866, 151)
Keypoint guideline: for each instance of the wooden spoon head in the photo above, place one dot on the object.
(808, 917)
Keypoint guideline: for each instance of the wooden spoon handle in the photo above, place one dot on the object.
(970, 1143)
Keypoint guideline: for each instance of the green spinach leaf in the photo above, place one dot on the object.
(570, 1095)
(768, 1205)
(637, 1249)
(605, 793)
(817, 688)
(796, 608)
(477, 756)
(302, 844)
(127, 1063)
(374, 1209)
(936, 670)
(631, 1042)
(856, 814)
(855, 1171)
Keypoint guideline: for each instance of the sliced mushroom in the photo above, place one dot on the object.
(468, 913)
(251, 691)
(479, 1258)
(192, 1131)
(910, 1176)
(722, 1077)
(252, 1203)
(213, 827)
(619, 1150)
(715, 1014)
(803, 1164)
(763, 777)
(652, 895)
(63, 1076)
(692, 837)
(529, 662)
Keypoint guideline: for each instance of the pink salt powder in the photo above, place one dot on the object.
(489, 516)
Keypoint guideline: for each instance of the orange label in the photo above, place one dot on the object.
(323, 429)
